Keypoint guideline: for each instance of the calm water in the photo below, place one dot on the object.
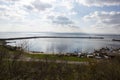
(63, 45)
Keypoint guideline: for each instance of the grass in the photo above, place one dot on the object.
(48, 56)
(56, 57)
(32, 70)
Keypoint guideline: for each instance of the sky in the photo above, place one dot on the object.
(72, 16)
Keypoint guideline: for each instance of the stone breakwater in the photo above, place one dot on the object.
(50, 37)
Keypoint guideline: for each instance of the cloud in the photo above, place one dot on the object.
(109, 18)
(35, 8)
(62, 20)
(8, 13)
(58, 13)
(107, 21)
(40, 6)
(11, 10)
(18, 10)
(99, 2)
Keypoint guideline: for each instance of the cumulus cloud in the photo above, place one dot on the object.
(19, 9)
(59, 12)
(99, 2)
(16, 8)
(109, 18)
(62, 20)
(40, 6)
(108, 21)
(8, 13)
(10, 10)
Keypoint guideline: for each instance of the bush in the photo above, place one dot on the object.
(13, 69)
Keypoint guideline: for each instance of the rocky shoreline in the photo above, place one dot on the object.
(99, 54)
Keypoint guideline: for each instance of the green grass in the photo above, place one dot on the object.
(47, 56)
(56, 57)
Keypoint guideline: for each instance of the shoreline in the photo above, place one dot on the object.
(101, 54)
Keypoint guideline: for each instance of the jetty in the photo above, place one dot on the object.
(18, 38)
(116, 40)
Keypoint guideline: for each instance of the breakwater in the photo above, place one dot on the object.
(18, 38)
(116, 40)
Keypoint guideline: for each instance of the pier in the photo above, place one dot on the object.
(116, 40)
(18, 38)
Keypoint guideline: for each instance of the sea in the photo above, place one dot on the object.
(61, 45)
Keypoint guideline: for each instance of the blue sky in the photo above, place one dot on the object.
(88, 16)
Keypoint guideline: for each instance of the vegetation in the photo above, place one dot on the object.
(57, 57)
(13, 69)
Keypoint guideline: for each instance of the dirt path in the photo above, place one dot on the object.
(54, 61)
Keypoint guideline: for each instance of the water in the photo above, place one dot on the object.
(55, 45)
